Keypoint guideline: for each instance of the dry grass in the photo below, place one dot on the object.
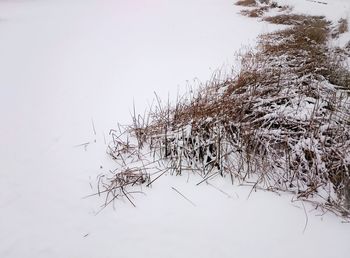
(256, 12)
(292, 19)
(343, 26)
(340, 28)
(264, 6)
(246, 3)
(286, 8)
(307, 40)
(304, 43)
(278, 121)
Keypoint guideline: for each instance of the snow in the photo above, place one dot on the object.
(67, 66)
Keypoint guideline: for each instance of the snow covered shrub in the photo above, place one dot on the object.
(279, 121)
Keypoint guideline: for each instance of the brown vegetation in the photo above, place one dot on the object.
(279, 120)
(256, 12)
(246, 3)
(343, 26)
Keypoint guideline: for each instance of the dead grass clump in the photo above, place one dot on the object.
(340, 28)
(256, 12)
(291, 19)
(307, 51)
(302, 45)
(262, 7)
(246, 3)
(275, 5)
(316, 32)
(286, 8)
(343, 26)
(279, 121)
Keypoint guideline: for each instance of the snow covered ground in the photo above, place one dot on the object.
(66, 63)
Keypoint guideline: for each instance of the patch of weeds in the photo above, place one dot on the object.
(286, 8)
(292, 19)
(340, 28)
(246, 3)
(274, 5)
(280, 121)
(343, 26)
(256, 12)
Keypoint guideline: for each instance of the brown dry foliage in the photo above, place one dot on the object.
(286, 8)
(304, 43)
(246, 3)
(256, 12)
(343, 26)
(292, 19)
(245, 115)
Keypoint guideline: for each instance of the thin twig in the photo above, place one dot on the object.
(183, 196)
